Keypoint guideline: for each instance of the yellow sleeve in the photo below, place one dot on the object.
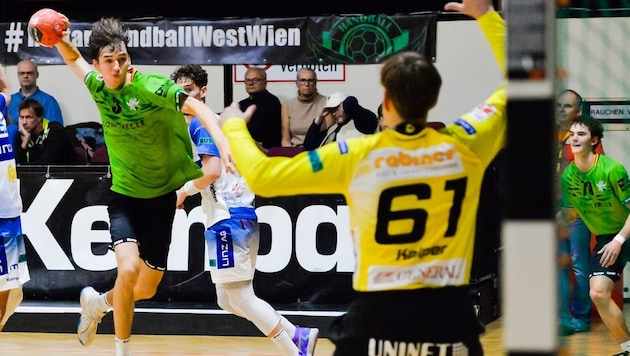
(484, 129)
(277, 176)
(493, 27)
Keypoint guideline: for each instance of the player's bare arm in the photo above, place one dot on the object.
(193, 106)
(472, 8)
(234, 110)
(4, 85)
(71, 55)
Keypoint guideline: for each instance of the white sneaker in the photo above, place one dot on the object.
(305, 339)
(90, 316)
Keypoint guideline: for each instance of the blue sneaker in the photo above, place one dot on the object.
(566, 330)
(580, 326)
(305, 339)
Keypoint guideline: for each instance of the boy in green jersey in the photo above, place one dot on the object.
(597, 188)
(150, 156)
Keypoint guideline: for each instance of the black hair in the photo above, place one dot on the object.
(30, 103)
(594, 126)
(109, 31)
(195, 72)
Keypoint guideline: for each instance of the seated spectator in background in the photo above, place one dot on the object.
(265, 125)
(27, 76)
(298, 113)
(349, 120)
(39, 140)
(90, 137)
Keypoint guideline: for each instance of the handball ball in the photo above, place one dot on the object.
(46, 27)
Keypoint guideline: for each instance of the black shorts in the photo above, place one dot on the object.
(442, 321)
(613, 272)
(149, 222)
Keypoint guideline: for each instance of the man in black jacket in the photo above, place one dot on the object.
(40, 141)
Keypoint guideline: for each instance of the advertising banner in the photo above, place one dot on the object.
(348, 39)
(305, 254)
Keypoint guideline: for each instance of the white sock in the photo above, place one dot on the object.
(109, 306)
(103, 305)
(288, 326)
(625, 346)
(284, 343)
(123, 347)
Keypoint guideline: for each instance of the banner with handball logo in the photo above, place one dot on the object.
(349, 39)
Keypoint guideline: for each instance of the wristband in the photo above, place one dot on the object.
(190, 188)
(620, 239)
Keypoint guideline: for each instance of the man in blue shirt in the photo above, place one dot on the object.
(27, 76)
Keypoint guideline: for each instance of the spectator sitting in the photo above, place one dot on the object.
(265, 125)
(88, 136)
(27, 76)
(298, 113)
(41, 141)
(344, 119)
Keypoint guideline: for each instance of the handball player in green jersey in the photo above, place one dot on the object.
(150, 156)
(597, 188)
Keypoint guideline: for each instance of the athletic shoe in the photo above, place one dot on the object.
(566, 330)
(90, 316)
(305, 339)
(580, 326)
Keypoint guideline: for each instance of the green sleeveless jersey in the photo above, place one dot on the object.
(146, 135)
(599, 195)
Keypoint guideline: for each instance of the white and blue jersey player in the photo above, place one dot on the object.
(232, 235)
(13, 267)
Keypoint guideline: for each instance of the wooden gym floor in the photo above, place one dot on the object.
(596, 342)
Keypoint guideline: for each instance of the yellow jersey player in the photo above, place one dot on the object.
(413, 194)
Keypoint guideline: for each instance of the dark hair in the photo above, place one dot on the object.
(108, 31)
(30, 103)
(379, 110)
(195, 72)
(413, 84)
(594, 126)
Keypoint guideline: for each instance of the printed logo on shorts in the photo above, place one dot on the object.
(225, 249)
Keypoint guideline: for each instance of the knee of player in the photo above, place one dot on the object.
(599, 294)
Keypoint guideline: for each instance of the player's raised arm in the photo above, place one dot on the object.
(71, 55)
(207, 117)
(4, 85)
(472, 8)
(49, 28)
(73, 59)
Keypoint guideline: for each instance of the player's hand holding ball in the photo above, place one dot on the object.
(46, 27)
